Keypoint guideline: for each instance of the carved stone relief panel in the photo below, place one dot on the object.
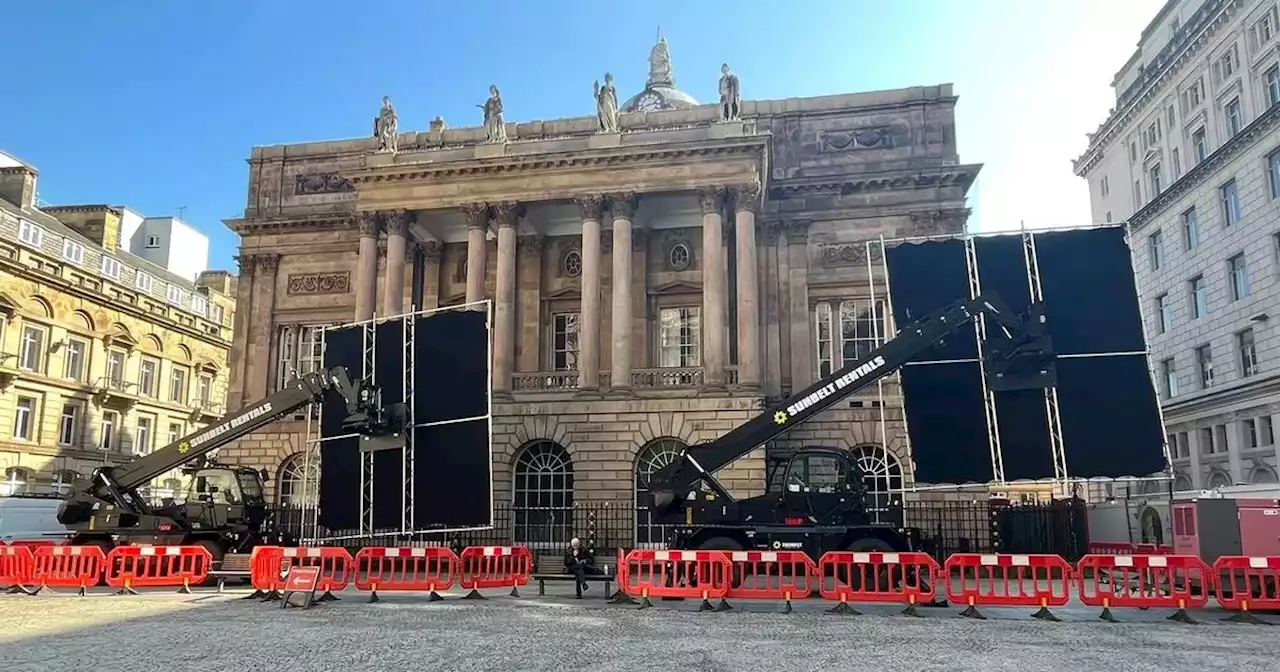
(321, 183)
(319, 283)
(849, 254)
(855, 139)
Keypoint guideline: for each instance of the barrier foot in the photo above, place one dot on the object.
(1245, 617)
(81, 592)
(271, 596)
(645, 603)
(843, 609)
(724, 605)
(14, 590)
(327, 597)
(910, 611)
(1107, 616)
(434, 597)
(937, 602)
(474, 595)
(37, 590)
(706, 605)
(373, 597)
(786, 607)
(972, 612)
(184, 590)
(515, 592)
(125, 591)
(622, 598)
(1045, 615)
(255, 595)
(1181, 616)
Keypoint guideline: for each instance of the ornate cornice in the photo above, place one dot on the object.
(368, 223)
(711, 200)
(924, 178)
(477, 215)
(1260, 129)
(746, 197)
(933, 222)
(506, 214)
(267, 225)
(590, 207)
(622, 205)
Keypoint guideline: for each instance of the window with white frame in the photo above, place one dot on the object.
(24, 418)
(111, 267)
(178, 384)
(300, 350)
(115, 368)
(1272, 79)
(30, 234)
(16, 481)
(1247, 349)
(148, 371)
(679, 338)
(1177, 163)
(1266, 431)
(1200, 142)
(1230, 197)
(72, 251)
(1155, 250)
(1190, 229)
(143, 433)
(31, 351)
(75, 359)
(107, 429)
(1263, 29)
(1227, 64)
(1164, 313)
(1204, 364)
(1192, 96)
(846, 331)
(153, 242)
(1154, 176)
(173, 295)
(63, 480)
(204, 390)
(1250, 433)
(175, 432)
(217, 313)
(199, 305)
(143, 281)
(1169, 372)
(1273, 173)
(69, 424)
(1235, 120)
(1198, 290)
(564, 341)
(1238, 271)
(1137, 195)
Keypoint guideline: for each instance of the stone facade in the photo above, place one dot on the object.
(731, 237)
(100, 361)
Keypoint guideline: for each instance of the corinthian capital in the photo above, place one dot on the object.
(590, 207)
(477, 215)
(711, 200)
(506, 214)
(797, 231)
(431, 250)
(397, 222)
(368, 223)
(246, 263)
(623, 204)
(268, 263)
(746, 197)
(530, 246)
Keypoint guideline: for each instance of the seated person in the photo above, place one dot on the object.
(579, 562)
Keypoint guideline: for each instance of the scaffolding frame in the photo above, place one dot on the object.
(1052, 416)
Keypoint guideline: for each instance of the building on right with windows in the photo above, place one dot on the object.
(1190, 157)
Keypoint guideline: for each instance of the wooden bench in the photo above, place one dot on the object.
(605, 577)
(233, 566)
(222, 577)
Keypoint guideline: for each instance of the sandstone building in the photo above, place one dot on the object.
(1190, 158)
(655, 274)
(104, 356)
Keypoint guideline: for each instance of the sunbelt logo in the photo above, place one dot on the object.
(837, 384)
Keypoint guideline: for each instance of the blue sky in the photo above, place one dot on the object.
(155, 104)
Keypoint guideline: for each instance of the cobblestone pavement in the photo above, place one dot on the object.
(211, 633)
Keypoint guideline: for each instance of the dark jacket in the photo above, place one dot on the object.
(584, 555)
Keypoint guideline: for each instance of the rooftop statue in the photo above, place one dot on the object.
(730, 95)
(606, 106)
(386, 127)
(494, 126)
(660, 73)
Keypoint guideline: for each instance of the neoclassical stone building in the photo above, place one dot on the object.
(655, 274)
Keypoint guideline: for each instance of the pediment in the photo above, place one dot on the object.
(676, 287)
(8, 305)
(563, 293)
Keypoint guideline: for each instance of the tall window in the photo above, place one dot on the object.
(1155, 244)
(1169, 372)
(1273, 85)
(1201, 145)
(69, 425)
(1206, 441)
(1238, 269)
(1230, 203)
(107, 430)
(204, 390)
(1154, 175)
(115, 367)
(542, 495)
(31, 354)
(679, 338)
(75, 360)
(148, 369)
(1204, 363)
(1273, 173)
(175, 432)
(847, 332)
(1164, 313)
(565, 341)
(178, 384)
(1250, 433)
(30, 234)
(1234, 120)
(111, 267)
(1199, 296)
(72, 251)
(301, 351)
(24, 419)
(1137, 195)
(1248, 351)
(1177, 162)
(143, 281)
(1190, 229)
(143, 433)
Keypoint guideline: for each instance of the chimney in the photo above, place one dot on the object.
(18, 186)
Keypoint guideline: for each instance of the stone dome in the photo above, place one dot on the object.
(660, 92)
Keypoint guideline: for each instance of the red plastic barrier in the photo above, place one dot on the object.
(1245, 583)
(495, 567)
(1008, 581)
(900, 578)
(1176, 582)
(771, 575)
(415, 569)
(1152, 549)
(680, 574)
(1112, 548)
(334, 563)
(16, 565)
(33, 543)
(67, 566)
(264, 569)
(130, 567)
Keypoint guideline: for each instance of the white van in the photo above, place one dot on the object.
(30, 519)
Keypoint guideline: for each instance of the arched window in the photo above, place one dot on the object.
(298, 481)
(652, 456)
(1262, 475)
(1181, 483)
(1219, 479)
(882, 477)
(542, 495)
(16, 481)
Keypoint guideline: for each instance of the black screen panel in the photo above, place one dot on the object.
(1110, 417)
(388, 465)
(339, 458)
(924, 277)
(452, 477)
(451, 357)
(1089, 292)
(947, 423)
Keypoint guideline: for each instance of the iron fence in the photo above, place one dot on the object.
(947, 527)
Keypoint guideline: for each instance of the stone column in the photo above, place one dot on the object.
(367, 266)
(396, 223)
(529, 303)
(506, 215)
(432, 250)
(1196, 450)
(477, 227)
(797, 233)
(591, 208)
(264, 301)
(639, 297)
(240, 332)
(746, 201)
(714, 338)
(622, 207)
(770, 316)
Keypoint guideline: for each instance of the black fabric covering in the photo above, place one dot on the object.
(946, 423)
(1110, 417)
(451, 357)
(1089, 292)
(924, 277)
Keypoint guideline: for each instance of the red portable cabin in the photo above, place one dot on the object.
(1213, 527)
